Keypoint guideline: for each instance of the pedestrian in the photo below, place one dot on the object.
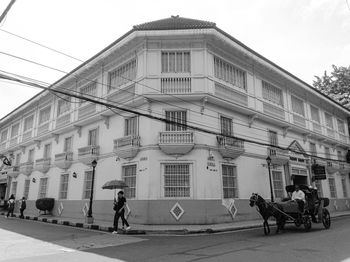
(119, 208)
(11, 206)
(23, 206)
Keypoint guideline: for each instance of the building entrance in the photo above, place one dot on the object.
(299, 180)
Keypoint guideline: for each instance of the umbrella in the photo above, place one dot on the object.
(115, 184)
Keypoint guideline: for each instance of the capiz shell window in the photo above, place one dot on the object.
(177, 180)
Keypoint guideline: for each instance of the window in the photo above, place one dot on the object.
(230, 73)
(340, 156)
(298, 106)
(129, 176)
(64, 186)
(18, 159)
(15, 130)
(131, 127)
(68, 144)
(92, 139)
(44, 115)
(341, 126)
(47, 151)
(313, 150)
(63, 105)
(229, 181)
(177, 180)
(343, 184)
(87, 185)
(272, 93)
(14, 188)
(177, 117)
(122, 75)
(327, 152)
(329, 120)
(176, 62)
(43, 187)
(315, 114)
(88, 91)
(277, 183)
(31, 155)
(226, 126)
(318, 184)
(273, 139)
(332, 188)
(26, 188)
(3, 136)
(28, 123)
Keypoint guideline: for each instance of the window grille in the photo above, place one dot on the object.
(298, 106)
(230, 73)
(43, 187)
(229, 181)
(87, 184)
(26, 188)
(176, 62)
(44, 115)
(177, 180)
(343, 183)
(273, 138)
(272, 93)
(332, 188)
(131, 126)
(122, 75)
(177, 117)
(64, 186)
(315, 114)
(277, 183)
(129, 176)
(28, 123)
(226, 126)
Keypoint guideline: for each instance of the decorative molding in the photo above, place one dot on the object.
(38, 143)
(79, 128)
(177, 211)
(285, 130)
(204, 102)
(251, 119)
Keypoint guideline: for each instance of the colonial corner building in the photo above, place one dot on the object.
(191, 73)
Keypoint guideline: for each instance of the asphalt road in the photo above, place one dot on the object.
(22, 240)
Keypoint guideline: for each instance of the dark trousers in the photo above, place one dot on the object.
(118, 215)
(21, 210)
(300, 205)
(10, 211)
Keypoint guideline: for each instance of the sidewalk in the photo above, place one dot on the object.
(138, 229)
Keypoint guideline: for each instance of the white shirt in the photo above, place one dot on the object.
(298, 195)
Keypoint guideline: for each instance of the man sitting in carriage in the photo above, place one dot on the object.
(299, 196)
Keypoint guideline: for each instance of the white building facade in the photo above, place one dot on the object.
(190, 72)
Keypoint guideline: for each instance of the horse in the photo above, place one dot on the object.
(267, 210)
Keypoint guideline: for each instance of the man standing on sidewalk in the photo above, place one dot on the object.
(11, 206)
(119, 207)
(23, 206)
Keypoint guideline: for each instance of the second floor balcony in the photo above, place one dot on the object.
(13, 171)
(64, 160)
(127, 147)
(176, 142)
(230, 147)
(43, 165)
(278, 156)
(26, 168)
(332, 166)
(88, 154)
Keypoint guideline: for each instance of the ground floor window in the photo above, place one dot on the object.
(129, 176)
(229, 181)
(277, 183)
(64, 186)
(343, 183)
(318, 184)
(14, 188)
(26, 188)
(332, 188)
(87, 185)
(177, 179)
(43, 187)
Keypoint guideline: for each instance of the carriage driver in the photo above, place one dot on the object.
(299, 196)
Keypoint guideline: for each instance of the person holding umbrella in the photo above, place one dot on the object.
(119, 208)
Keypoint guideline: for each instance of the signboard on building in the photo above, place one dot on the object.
(319, 172)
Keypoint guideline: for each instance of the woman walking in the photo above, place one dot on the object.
(11, 206)
(119, 207)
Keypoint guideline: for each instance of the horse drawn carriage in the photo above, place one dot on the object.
(288, 211)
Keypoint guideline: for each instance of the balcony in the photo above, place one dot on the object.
(13, 171)
(176, 142)
(344, 168)
(318, 161)
(64, 160)
(230, 147)
(43, 165)
(87, 154)
(278, 156)
(127, 147)
(26, 168)
(332, 166)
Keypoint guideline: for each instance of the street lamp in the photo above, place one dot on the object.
(90, 219)
(268, 160)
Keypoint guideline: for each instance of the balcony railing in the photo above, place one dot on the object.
(64, 160)
(176, 142)
(127, 147)
(278, 156)
(26, 168)
(62, 120)
(43, 128)
(43, 165)
(332, 166)
(330, 132)
(89, 153)
(176, 85)
(230, 147)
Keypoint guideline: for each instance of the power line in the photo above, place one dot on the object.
(195, 128)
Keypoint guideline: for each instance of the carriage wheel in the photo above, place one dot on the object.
(307, 223)
(326, 218)
(266, 228)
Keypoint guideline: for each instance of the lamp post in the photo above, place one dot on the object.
(89, 217)
(268, 160)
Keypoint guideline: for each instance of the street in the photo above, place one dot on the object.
(22, 240)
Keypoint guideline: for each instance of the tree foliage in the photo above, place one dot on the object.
(336, 84)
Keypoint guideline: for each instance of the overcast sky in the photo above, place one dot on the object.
(305, 37)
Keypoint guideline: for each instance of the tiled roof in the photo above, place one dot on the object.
(173, 23)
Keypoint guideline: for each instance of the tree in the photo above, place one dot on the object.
(336, 85)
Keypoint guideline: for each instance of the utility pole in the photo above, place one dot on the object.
(6, 10)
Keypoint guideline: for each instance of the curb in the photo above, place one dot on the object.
(143, 232)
